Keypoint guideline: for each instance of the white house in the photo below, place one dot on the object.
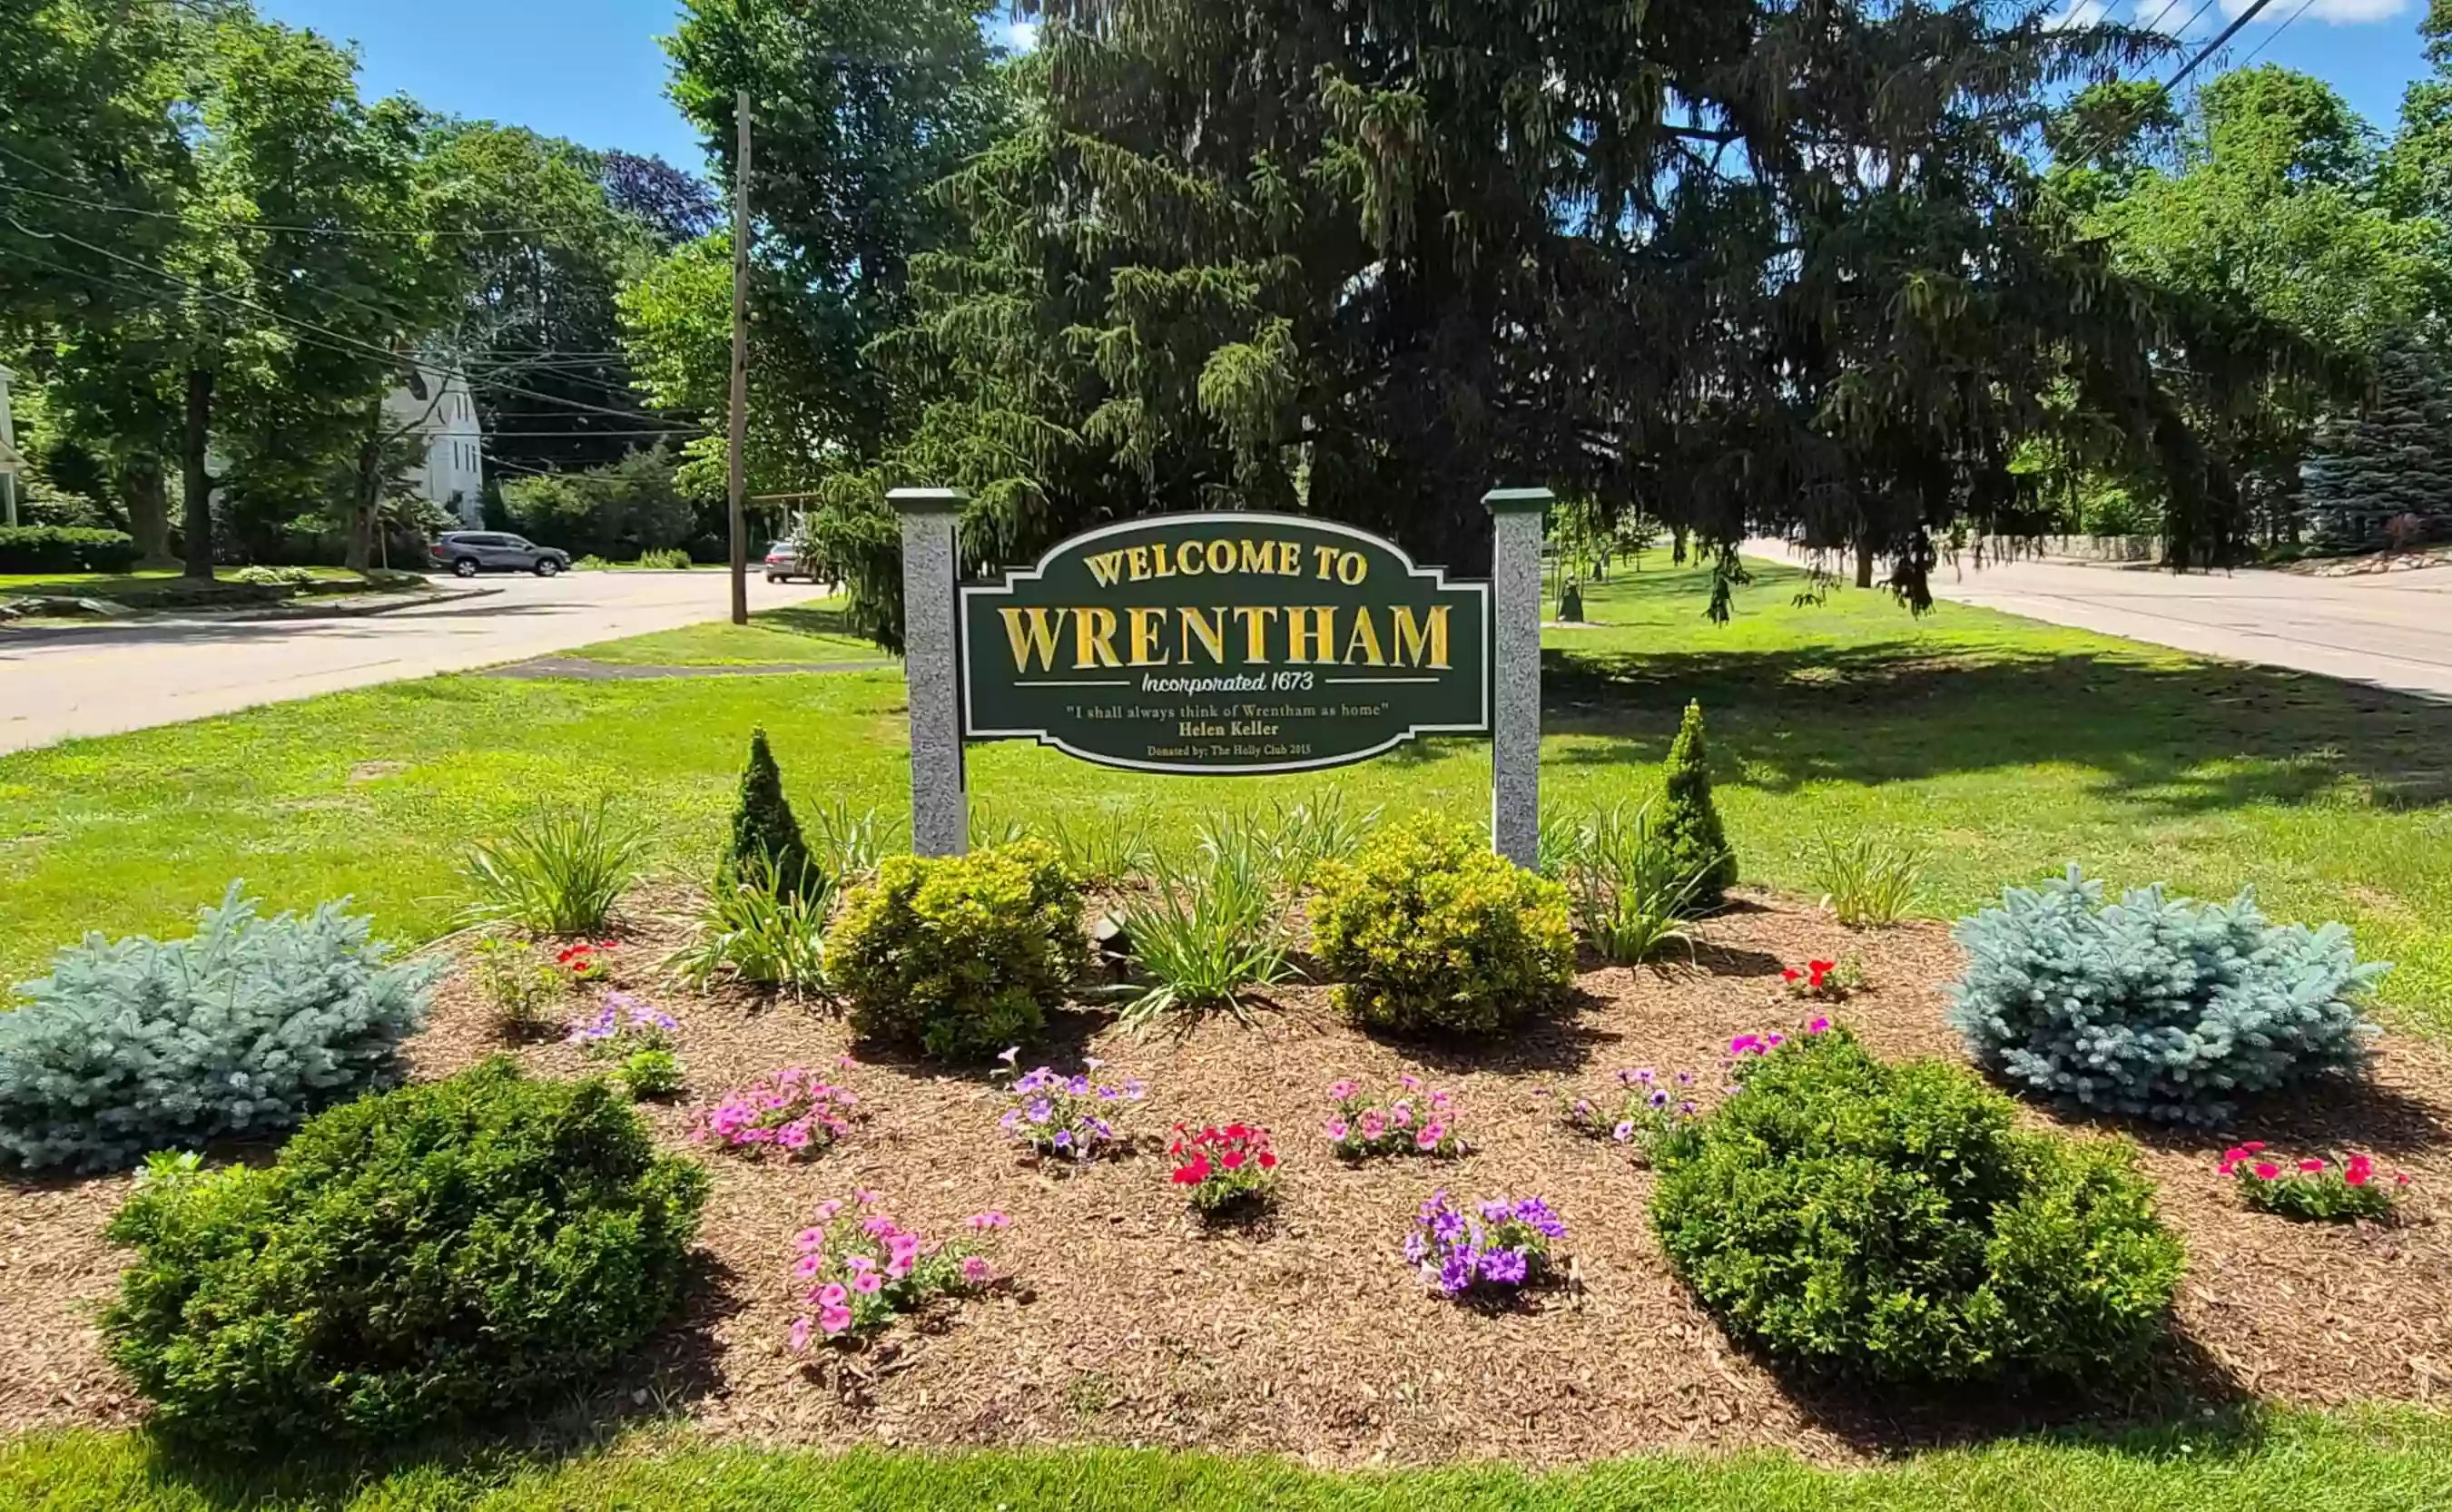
(435, 408)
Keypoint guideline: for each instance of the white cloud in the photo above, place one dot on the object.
(1022, 36)
(2170, 15)
(2079, 13)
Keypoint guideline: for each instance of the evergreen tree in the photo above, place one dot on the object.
(767, 841)
(1690, 827)
(2392, 458)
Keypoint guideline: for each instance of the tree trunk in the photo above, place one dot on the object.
(148, 496)
(198, 482)
(1864, 564)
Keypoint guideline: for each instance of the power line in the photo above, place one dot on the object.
(353, 346)
(112, 208)
(2218, 43)
(2167, 6)
(2303, 6)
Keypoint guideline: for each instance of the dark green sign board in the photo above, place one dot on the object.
(1224, 644)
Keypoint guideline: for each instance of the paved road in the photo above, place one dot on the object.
(2392, 630)
(100, 679)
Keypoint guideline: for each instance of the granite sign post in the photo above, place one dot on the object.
(1222, 643)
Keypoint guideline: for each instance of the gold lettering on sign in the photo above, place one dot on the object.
(1415, 641)
(1145, 624)
(1094, 639)
(1363, 649)
(1210, 632)
(1034, 637)
(1316, 644)
(1256, 632)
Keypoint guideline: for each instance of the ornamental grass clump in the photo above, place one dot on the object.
(863, 1270)
(1409, 1119)
(2312, 1189)
(558, 872)
(1203, 933)
(962, 954)
(446, 1252)
(1891, 1225)
(2156, 1006)
(794, 1113)
(1067, 1117)
(245, 1027)
(1233, 1168)
(1490, 1248)
(1431, 931)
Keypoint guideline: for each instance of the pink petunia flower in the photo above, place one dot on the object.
(1430, 1136)
(868, 1284)
(800, 1334)
(975, 1270)
(835, 1319)
(833, 1294)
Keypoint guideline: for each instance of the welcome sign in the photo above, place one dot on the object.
(1224, 644)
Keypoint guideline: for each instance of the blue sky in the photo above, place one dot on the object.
(591, 71)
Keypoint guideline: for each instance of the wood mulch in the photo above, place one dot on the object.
(1128, 1322)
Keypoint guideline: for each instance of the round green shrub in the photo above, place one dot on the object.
(1432, 930)
(1888, 1224)
(962, 954)
(411, 1260)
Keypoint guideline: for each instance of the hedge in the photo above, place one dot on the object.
(61, 548)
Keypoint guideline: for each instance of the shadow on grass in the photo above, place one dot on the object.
(2177, 736)
(2184, 1395)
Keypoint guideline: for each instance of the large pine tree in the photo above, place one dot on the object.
(1730, 263)
(2390, 457)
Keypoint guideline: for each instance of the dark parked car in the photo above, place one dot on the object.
(470, 552)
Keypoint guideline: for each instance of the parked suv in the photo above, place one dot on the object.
(470, 552)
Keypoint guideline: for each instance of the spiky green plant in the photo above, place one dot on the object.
(764, 831)
(1689, 822)
(559, 873)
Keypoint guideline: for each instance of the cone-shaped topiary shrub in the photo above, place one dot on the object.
(1689, 822)
(1890, 1224)
(433, 1254)
(961, 955)
(768, 849)
(2155, 1007)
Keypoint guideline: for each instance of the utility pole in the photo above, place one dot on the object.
(740, 472)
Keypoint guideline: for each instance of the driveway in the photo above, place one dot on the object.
(2392, 630)
(102, 680)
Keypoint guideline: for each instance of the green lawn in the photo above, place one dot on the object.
(811, 634)
(2397, 1461)
(2007, 747)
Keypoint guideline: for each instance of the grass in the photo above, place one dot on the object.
(813, 634)
(110, 585)
(2002, 748)
(2378, 1461)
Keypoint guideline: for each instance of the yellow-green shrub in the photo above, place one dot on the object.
(964, 955)
(1432, 930)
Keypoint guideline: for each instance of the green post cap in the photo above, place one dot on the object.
(1517, 501)
(927, 500)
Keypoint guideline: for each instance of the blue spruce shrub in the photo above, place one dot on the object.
(247, 1027)
(2157, 1006)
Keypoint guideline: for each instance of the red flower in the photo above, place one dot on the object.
(1232, 1160)
(1821, 968)
(1790, 973)
(2360, 1172)
(1268, 1161)
(1194, 1175)
(2311, 1167)
(1238, 1131)
(2254, 1147)
(2265, 1170)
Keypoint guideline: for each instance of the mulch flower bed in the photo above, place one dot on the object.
(1127, 1319)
